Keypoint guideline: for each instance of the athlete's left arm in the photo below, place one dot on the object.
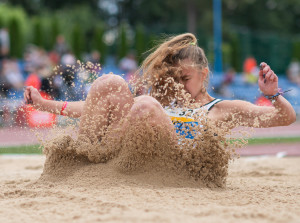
(248, 114)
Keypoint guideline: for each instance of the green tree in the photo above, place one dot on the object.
(55, 31)
(98, 43)
(78, 43)
(1, 22)
(140, 42)
(235, 62)
(38, 33)
(123, 42)
(296, 49)
(16, 38)
(226, 54)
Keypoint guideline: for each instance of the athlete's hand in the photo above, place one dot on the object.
(268, 80)
(32, 96)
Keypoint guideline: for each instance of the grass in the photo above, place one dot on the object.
(35, 149)
(32, 149)
(254, 141)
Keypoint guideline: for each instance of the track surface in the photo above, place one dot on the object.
(24, 136)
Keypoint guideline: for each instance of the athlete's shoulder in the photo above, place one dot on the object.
(222, 110)
(225, 105)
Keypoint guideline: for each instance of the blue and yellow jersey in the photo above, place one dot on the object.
(183, 118)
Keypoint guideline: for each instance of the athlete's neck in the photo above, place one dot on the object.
(203, 98)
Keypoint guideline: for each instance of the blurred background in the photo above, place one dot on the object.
(37, 35)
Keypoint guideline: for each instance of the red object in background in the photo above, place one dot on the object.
(54, 58)
(33, 117)
(249, 64)
(21, 115)
(37, 118)
(33, 80)
(262, 101)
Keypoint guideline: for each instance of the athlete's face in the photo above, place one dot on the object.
(192, 78)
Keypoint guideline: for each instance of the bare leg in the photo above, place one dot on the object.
(107, 102)
(110, 100)
(149, 105)
(146, 134)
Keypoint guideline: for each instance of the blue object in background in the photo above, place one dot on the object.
(217, 12)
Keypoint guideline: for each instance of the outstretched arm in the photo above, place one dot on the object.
(248, 114)
(244, 113)
(73, 109)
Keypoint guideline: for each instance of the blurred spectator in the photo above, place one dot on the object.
(12, 74)
(57, 86)
(251, 70)
(229, 76)
(128, 65)
(293, 71)
(4, 85)
(93, 67)
(223, 89)
(54, 58)
(4, 43)
(61, 46)
(37, 58)
(68, 60)
(95, 57)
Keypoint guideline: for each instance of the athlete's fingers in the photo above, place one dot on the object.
(263, 64)
(26, 96)
(266, 69)
(273, 76)
(268, 74)
(263, 70)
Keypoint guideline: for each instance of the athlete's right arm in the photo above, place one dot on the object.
(33, 97)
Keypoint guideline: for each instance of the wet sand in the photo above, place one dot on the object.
(265, 189)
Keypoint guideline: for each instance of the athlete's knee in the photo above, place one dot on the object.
(109, 83)
(148, 102)
(146, 105)
(110, 80)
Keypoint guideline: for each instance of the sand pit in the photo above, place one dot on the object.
(257, 189)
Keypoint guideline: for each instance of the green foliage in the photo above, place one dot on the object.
(55, 31)
(83, 16)
(16, 40)
(98, 43)
(1, 22)
(296, 49)
(58, 4)
(77, 41)
(140, 42)
(38, 33)
(226, 55)
(153, 41)
(235, 62)
(8, 12)
(253, 23)
(15, 19)
(123, 42)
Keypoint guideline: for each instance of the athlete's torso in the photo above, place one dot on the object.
(182, 118)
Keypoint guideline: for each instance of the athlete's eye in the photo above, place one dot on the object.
(185, 78)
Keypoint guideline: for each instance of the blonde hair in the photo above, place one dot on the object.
(161, 70)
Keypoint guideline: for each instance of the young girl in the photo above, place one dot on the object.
(176, 61)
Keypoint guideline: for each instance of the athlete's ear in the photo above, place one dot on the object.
(205, 72)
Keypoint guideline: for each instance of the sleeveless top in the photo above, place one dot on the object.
(183, 118)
